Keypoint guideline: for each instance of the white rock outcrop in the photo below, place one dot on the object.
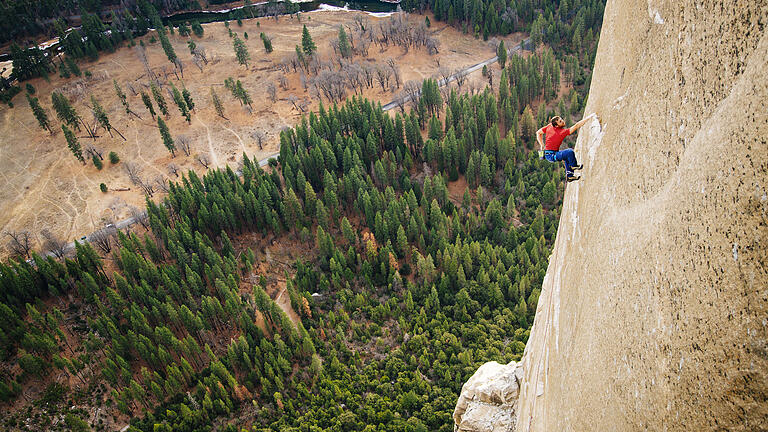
(487, 401)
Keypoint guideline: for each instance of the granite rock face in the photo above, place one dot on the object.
(654, 310)
(487, 399)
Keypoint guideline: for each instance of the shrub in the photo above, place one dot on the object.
(103, 187)
(113, 158)
(30, 88)
(97, 162)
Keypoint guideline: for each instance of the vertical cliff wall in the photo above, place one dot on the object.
(654, 310)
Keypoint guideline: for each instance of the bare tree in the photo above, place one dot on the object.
(20, 242)
(53, 243)
(332, 85)
(382, 76)
(363, 45)
(141, 52)
(146, 186)
(184, 143)
(283, 81)
(432, 45)
(303, 80)
(259, 137)
(162, 183)
(395, 71)
(369, 72)
(102, 239)
(139, 216)
(444, 74)
(272, 92)
(133, 170)
(94, 151)
(293, 100)
(412, 90)
(461, 77)
(204, 159)
(173, 169)
(132, 89)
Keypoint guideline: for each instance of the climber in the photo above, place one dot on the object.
(556, 133)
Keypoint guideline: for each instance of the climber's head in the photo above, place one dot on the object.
(556, 121)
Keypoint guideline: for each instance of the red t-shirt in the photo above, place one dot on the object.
(555, 137)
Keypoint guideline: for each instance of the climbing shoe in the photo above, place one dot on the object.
(577, 167)
(571, 178)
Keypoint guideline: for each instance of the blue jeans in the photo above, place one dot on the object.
(567, 156)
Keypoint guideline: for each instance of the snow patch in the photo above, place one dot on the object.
(326, 7)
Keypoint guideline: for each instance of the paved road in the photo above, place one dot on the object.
(467, 70)
(125, 223)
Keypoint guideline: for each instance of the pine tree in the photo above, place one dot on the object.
(39, 112)
(179, 100)
(527, 125)
(159, 99)
(307, 44)
(345, 49)
(73, 144)
(148, 103)
(101, 116)
(121, 96)
(217, 104)
(241, 51)
(501, 52)
(166, 135)
(188, 99)
(64, 111)
(267, 42)
(170, 53)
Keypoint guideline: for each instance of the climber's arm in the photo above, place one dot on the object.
(578, 125)
(539, 135)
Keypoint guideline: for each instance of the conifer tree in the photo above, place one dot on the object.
(73, 144)
(64, 111)
(39, 112)
(159, 99)
(188, 99)
(179, 100)
(217, 104)
(267, 42)
(148, 103)
(166, 136)
(307, 44)
(101, 116)
(345, 49)
(501, 53)
(241, 51)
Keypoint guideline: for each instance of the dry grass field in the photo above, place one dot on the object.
(45, 187)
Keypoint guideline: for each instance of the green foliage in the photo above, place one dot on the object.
(72, 143)
(103, 187)
(165, 134)
(97, 162)
(39, 113)
(345, 49)
(267, 42)
(241, 51)
(307, 44)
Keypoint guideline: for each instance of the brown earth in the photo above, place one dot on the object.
(46, 187)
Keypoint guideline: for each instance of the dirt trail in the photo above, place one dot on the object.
(214, 157)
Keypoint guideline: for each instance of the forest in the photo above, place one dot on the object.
(406, 288)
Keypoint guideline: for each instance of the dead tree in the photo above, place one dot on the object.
(102, 239)
(146, 186)
(272, 92)
(173, 169)
(444, 74)
(293, 100)
(204, 160)
(19, 243)
(94, 152)
(139, 216)
(259, 137)
(162, 183)
(133, 170)
(382, 76)
(461, 77)
(53, 243)
(392, 64)
(183, 142)
(432, 45)
(412, 89)
(283, 81)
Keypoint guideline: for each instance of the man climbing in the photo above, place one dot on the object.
(556, 133)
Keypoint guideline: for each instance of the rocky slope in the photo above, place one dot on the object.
(654, 310)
